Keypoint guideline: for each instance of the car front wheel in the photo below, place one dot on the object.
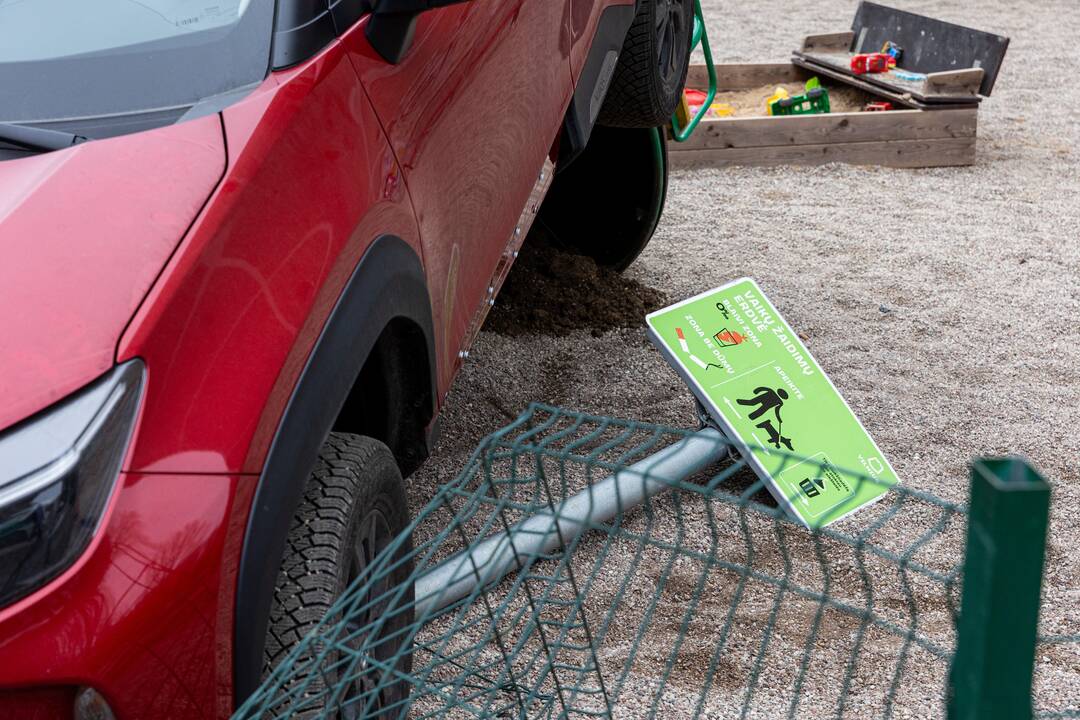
(353, 508)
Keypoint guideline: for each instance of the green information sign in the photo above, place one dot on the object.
(766, 392)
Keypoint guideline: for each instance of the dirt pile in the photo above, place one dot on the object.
(551, 292)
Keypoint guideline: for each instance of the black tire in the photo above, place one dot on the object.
(651, 71)
(607, 203)
(354, 505)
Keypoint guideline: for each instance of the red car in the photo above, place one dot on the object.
(244, 249)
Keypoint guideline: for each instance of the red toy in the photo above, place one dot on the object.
(878, 106)
(869, 63)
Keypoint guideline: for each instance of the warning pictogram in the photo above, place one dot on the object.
(728, 338)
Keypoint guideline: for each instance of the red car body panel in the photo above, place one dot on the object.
(321, 159)
(145, 615)
(469, 154)
(94, 221)
(226, 331)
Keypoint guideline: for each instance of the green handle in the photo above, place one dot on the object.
(699, 37)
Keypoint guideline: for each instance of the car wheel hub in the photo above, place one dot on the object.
(366, 694)
(670, 28)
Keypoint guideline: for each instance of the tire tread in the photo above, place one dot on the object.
(308, 581)
(635, 97)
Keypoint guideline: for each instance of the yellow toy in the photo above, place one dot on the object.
(691, 102)
(779, 94)
(719, 110)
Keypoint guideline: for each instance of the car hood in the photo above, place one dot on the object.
(84, 232)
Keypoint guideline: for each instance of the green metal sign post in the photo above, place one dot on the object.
(765, 391)
(999, 612)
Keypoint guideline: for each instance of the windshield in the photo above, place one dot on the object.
(29, 29)
(65, 61)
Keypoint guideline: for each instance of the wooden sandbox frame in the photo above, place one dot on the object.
(909, 138)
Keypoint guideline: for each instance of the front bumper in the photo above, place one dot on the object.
(146, 614)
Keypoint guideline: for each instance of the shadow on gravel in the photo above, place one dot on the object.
(552, 292)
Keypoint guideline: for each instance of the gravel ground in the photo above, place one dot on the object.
(944, 304)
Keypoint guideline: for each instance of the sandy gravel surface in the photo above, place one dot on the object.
(944, 304)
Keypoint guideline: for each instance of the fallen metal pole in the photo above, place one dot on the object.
(500, 554)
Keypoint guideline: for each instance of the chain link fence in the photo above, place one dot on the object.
(689, 597)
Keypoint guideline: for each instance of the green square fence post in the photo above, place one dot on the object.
(990, 678)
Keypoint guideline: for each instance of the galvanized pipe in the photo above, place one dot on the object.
(542, 533)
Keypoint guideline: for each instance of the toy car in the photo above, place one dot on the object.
(878, 107)
(894, 51)
(244, 251)
(865, 63)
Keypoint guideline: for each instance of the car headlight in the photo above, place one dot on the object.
(57, 471)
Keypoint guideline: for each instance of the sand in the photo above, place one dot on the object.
(944, 304)
(751, 103)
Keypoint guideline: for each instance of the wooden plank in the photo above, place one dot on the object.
(898, 98)
(901, 138)
(904, 99)
(832, 128)
(930, 45)
(745, 76)
(828, 42)
(917, 89)
(955, 82)
(894, 153)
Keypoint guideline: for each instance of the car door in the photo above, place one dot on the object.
(471, 111)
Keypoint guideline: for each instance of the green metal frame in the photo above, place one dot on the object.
(999, 612)
(698, 591)
(700, 37)
(660, 158)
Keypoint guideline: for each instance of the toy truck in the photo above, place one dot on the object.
(814, 100)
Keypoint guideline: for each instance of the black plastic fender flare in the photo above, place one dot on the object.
(388, 283)
(594, 81)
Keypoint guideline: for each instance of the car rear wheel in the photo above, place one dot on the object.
(352, 509)
(607, 202)
(651, 71)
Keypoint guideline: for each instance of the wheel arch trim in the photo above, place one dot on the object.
(387, 283)
(595, 80)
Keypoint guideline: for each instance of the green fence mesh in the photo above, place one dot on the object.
(704, 601)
